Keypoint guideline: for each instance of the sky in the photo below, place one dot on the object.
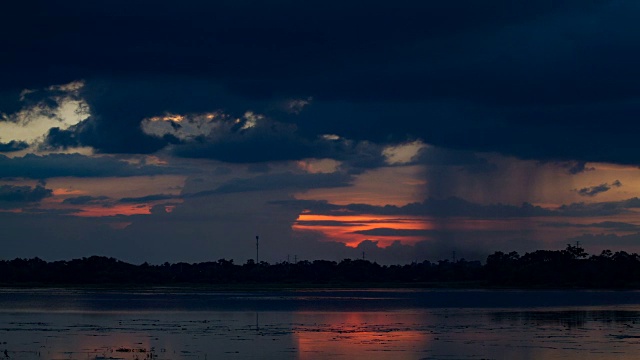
(397, 131)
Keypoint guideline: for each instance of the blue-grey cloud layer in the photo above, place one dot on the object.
(12, 146)
(457, 207)
(11, 193)
(76, 165)
(592, 191)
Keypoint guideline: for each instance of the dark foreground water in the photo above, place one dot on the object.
(376, 324)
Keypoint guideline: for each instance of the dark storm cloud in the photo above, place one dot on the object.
(266, 141)
(23, 194)
(104, 138)
(243, 42)
(256, 139)
(13, 146)
(10, 102)
(114, 127)
(490, 76)
(119, 105)
(55, 165)
(598, 189)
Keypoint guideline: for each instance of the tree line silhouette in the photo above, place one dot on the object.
(568, 268)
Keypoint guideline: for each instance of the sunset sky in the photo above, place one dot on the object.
(405, 130)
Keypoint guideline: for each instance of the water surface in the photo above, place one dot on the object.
(366, 324)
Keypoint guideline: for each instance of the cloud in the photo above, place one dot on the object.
(280, 181)
(614, 225)
(598, 189)
(287, 37)
(255, 138)
(140, 115)
(18, 195)
(456, 207)
(154, 197)
(56, 106)
(57, 165)
(85, 199)
(594, 190)
(402, 153)
(104, 139)
(13, 146)
(576, 167)
(185, 127)
(395, 232)
(607, 208)
(259, 84)
(450, 207)
(259, 168)
(224, 132)
(263, 141)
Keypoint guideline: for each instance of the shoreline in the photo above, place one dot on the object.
(277, 287)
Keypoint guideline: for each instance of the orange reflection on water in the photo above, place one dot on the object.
(103, 345)
(347, 229)
(349, 334)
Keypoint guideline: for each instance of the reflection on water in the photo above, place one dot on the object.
(372, 336)
(84, 327)
(568, 318)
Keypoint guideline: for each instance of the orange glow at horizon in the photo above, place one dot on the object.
(344, 228)
(346, 225)
(15, 211)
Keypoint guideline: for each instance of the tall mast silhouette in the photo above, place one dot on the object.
(257, 250)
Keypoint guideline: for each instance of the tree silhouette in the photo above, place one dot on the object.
(568, 268)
